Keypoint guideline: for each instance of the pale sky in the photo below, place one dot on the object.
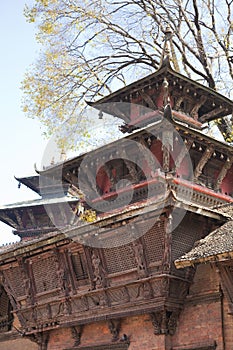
(20, 138)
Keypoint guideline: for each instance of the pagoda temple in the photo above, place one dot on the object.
(128, 246)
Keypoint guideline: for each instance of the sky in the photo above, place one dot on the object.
(21, 141)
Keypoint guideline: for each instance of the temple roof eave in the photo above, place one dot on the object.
(159, 206)
(38, 202)
(31, 182)
(167, 71)
(178, 125)
(215, 247)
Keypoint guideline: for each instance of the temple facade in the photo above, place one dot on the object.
(128, 246)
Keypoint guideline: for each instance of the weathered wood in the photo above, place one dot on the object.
(149, 101)
(199, 103)
(227, 165)
(183, 152)
(32, 217)
(76, 334)
(203, 161)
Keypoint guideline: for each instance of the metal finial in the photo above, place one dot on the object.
(168, 54)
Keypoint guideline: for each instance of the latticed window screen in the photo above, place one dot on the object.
(154, 241)
(119, 259)
(6, 317)
(45, 274)
(79, 266)
(15, 278)
(185, 235)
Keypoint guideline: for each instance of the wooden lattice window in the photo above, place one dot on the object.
(79, 266)
(15, 277)
(6, 317)
(45, 274)
(119, 259)
(154, 241)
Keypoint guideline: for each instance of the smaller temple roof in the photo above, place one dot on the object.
(38, 202)
(217, 246)
(31, 182)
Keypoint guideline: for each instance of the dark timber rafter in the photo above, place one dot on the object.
(32, 217)
(8, 219)
(213, 113)
(202, 162)
(227, 165)
(151, 104)
(185, 149)
(194, 111)
(18, 217)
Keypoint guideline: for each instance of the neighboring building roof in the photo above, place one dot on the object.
(217, 246)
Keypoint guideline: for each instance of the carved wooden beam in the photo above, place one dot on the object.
(62, 274)
(32, 217)
(71, 178)
(165, 322)
(227, 165)
(9, 290)
(215, 112)
(29, 287)
(202, 162)
(9, 220)
(109, 173)
(200, 102)
(183, 152)
(132, 170)
(148, 100)
(167, 142)
(18, 218)
(98, 271)
(139, 256)
(114, 327)
(178, 102)
(167, 254)
(41, 339)
(76, 334)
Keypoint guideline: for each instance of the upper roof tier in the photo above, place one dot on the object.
(186, 96)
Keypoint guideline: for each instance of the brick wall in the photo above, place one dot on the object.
(18, 344)
(138, 328)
